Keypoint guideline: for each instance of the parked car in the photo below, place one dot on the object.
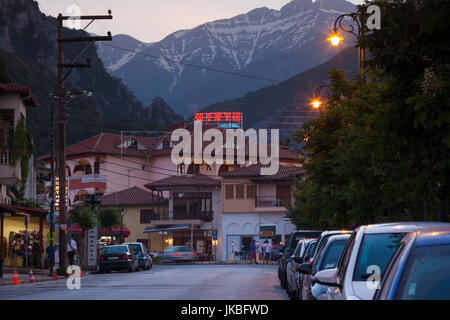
(308, 253)
(288, 250)
(118, 257)
(327, 257)
(420, 268)
(322, 241)
(291, 269)
(177, 254)
(369, 249)
(144, 257)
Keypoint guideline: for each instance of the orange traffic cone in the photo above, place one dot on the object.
(32, 279)
(55, 275)
(16, 278)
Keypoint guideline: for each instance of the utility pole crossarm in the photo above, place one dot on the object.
(87, 39)
(108, 17)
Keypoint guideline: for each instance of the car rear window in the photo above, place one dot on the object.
(118, 249)
(135, 247)
(426, 275)
(376, 250)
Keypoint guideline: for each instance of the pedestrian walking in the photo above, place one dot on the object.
(267, 250)
(71, 250)
(253, 252)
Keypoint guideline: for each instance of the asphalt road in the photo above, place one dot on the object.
(163, 282)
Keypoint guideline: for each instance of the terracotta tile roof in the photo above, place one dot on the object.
(24, 92)
(109, 143)
(254, 173)
(186, 180)
(131, 196)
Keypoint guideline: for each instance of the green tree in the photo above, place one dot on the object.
(379, 150)
(86, 221)
(109, 218)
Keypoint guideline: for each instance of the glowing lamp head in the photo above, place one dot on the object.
(335, 39)
(316, 103)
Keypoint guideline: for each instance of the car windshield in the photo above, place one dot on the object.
(427, 275)
(310, 249)
(331, 255)
(376, 250)
(298, 249)
(117, 249)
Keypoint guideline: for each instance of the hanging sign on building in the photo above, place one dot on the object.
(57, 194)
(267, 231)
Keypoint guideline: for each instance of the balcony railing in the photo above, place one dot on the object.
(206, 216)
(87, 178)
(9, 174)
(271, 202)
(5, 157)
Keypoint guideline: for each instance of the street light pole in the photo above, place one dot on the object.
(357, 31)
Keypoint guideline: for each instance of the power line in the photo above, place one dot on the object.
(191, 64)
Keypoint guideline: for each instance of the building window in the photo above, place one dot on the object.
(146, 216)
(240, 191)
(229, 191)
(250, 191)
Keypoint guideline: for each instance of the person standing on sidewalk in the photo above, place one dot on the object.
(71, 250)
(267, 250)
(253, 252)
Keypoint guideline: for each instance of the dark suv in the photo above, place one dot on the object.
(288, 250)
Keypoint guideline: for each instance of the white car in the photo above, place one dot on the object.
(364, 260)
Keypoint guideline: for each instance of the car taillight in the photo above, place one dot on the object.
(192, 254)
(125, 256)
(176, 254)
(311, 261)
(142, 254)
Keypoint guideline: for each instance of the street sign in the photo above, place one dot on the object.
(63, 226)
(92, 247)
(214, 234)
(56, 225)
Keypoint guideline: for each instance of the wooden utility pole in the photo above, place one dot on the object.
(62, 122)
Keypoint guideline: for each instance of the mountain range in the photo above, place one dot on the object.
(29, 48)
(266, 46)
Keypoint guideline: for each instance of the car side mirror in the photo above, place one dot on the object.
(298, 260)
(305, 268)
(327, 277)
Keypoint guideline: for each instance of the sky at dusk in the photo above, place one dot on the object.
(152, 20)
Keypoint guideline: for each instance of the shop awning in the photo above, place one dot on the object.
(116, 231)
(19, 210)
(174, 227)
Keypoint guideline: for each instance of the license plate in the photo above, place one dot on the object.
(113, 258)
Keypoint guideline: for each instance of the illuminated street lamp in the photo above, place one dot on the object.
(357, 29)
(316, 102)
(335, 39)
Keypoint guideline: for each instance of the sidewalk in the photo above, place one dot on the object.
(7, 279)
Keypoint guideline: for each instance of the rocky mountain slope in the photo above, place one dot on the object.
(262, 43)
(28, 45)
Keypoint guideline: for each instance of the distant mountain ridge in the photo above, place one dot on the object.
(286, 105)
(274, 44)
(28, 43)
